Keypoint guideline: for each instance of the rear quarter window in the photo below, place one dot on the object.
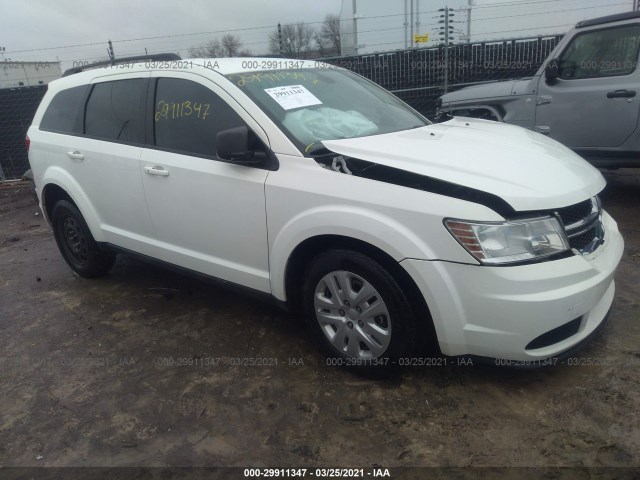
(63, 114)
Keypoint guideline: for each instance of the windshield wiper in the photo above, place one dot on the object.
(316, 148)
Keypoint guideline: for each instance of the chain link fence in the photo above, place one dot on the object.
(420, 76)
(417, 76)
(17, 108)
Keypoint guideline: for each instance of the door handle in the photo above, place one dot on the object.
(75, 155)
(621, 94)
(157, 170)
(544, 100)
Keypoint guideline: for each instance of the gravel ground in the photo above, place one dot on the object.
(145, 368)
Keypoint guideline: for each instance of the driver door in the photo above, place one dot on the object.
(595, 102)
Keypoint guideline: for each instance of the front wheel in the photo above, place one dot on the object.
(357, 310)
(76, 243)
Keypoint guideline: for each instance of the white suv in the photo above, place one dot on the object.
(314, 186)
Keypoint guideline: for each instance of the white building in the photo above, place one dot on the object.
(28, 74)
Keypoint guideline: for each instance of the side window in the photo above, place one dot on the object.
(115, 110)
(187, 116)
(601, 53)
(63, 111)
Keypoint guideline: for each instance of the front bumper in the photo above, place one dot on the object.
(498, 312)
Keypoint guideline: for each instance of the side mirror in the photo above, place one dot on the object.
(233, 145)
(552, 70)
(443, 116)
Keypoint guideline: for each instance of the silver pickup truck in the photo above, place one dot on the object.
(586, 95)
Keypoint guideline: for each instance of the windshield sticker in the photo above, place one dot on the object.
(293, 96)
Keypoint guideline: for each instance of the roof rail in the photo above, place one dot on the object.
(158, 57)
(609, 18)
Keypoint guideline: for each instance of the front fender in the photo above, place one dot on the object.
(60, 177)
(510, 102)
(367, 226)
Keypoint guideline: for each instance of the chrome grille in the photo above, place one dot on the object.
(583, 225)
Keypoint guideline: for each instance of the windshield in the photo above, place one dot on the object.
(311, 105)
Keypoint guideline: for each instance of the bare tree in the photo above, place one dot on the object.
(297, 40)
(211, 49)
(328, 39)
(232, 46)
(229, 46)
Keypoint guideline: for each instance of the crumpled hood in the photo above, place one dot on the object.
(527, 170)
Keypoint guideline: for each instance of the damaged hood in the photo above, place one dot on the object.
(527, 170)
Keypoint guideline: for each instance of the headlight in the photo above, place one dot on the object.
(513, 241)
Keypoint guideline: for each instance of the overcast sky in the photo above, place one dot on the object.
(382, 27)
(40, 24)
(35, 30)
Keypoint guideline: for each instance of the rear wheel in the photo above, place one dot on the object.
(359, 313)
(76, 243)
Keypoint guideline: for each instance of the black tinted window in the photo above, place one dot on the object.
(63, 111)
(187, 116)
(115, 110)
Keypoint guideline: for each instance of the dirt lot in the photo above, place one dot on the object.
(122, 371)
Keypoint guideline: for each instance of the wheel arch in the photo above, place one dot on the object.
(59, 185)
(304, 252)
(52, 193)
(497, 110)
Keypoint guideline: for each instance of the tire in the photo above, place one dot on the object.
(371, 324)
(76, 243)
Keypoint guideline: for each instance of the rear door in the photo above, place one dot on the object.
(209, 215)
(103, 157)
(595, 102)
